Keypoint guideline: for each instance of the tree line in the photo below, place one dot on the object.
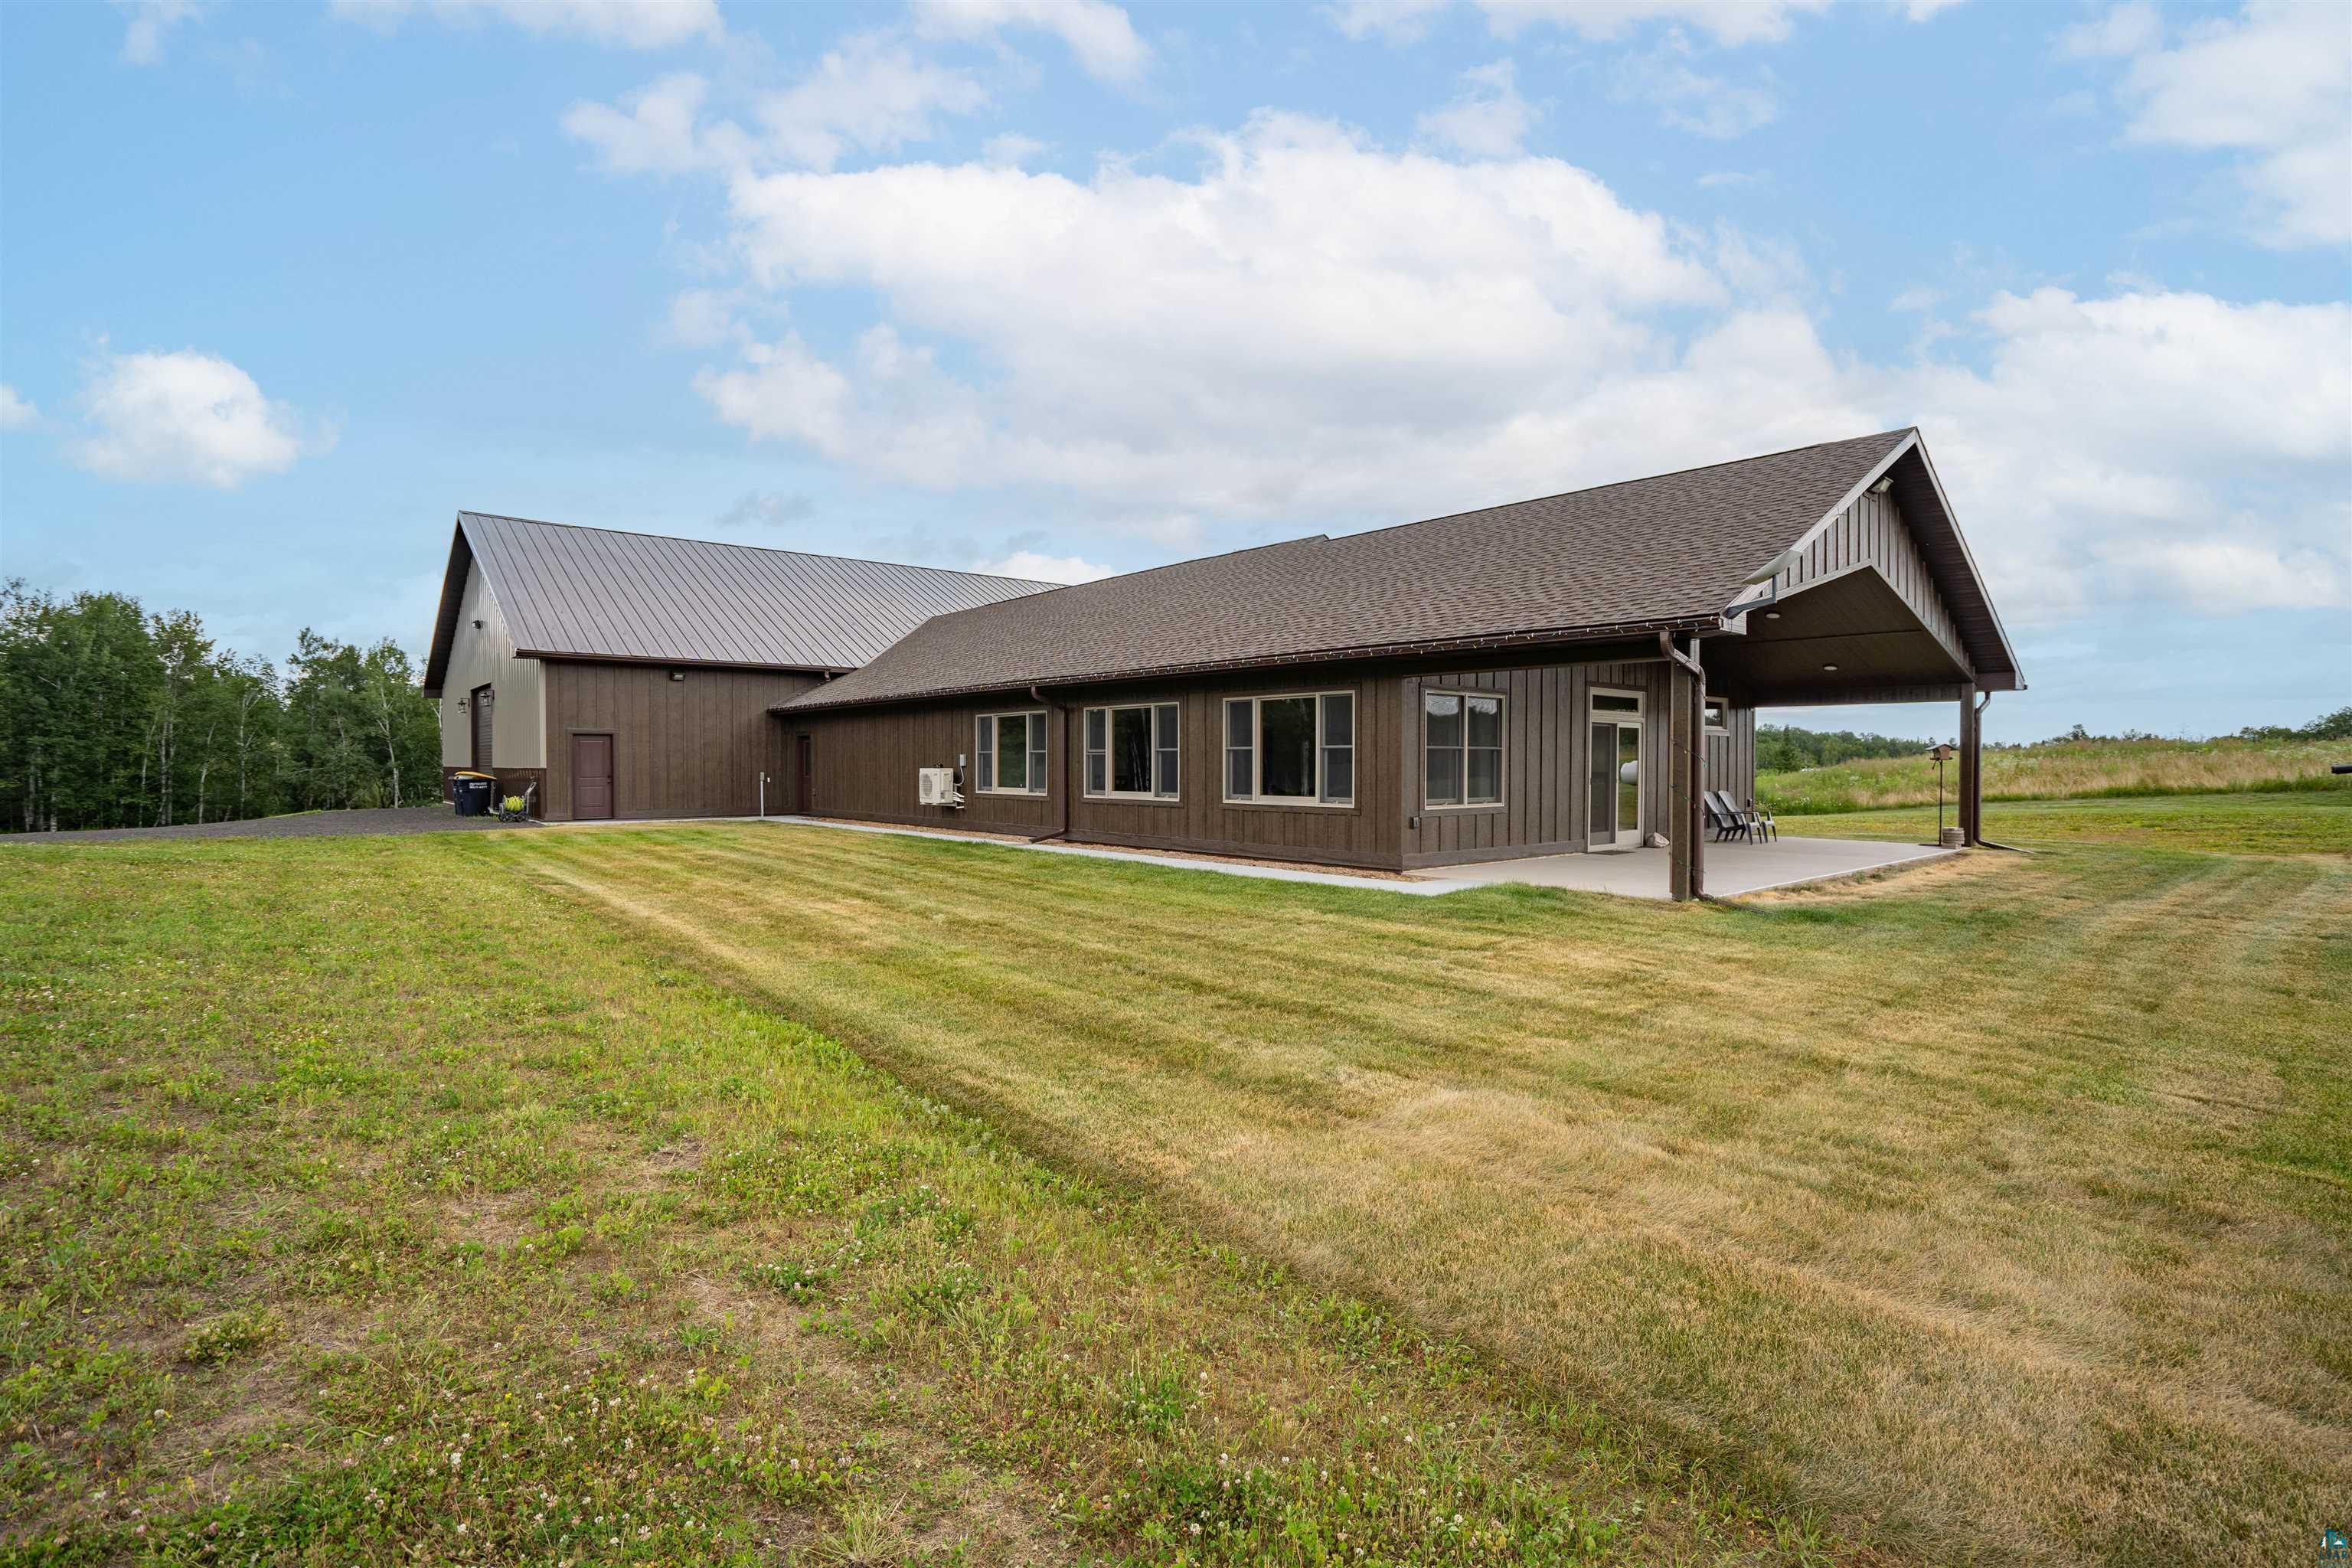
(1787, 748)
(114, 716)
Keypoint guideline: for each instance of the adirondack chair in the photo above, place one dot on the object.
(1759, 820)
(1722, 816)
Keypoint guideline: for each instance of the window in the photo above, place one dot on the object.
(1718, 716)
(1461, 735)
(1011, 753)
(1616, 702)
(1132, 750)
(1297, 748)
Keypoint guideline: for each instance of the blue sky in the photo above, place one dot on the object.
(1065, 289)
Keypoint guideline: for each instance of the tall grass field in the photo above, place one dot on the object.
(2057, 770)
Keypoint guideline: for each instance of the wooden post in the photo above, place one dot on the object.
(1695, 816)
(1971, 770)
(1683, 716)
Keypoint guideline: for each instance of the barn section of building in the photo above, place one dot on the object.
(1554, 676)
(632, 675)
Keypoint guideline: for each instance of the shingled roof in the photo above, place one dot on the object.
(1668, 552)
(595, 593)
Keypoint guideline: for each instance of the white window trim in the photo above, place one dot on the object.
(1088, 753)
(1257, 751)
(997, 770)
(1503, 751)
(1639, 717)
(1639, 709)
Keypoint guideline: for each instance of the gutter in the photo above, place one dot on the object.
(1984, 700)
(1695, 818)
(1060, 722)
(1563, 635)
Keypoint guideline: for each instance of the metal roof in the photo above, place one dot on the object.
(1672, 552)
(596, 593)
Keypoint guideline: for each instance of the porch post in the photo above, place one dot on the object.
(1686, 756)
(1971, 770)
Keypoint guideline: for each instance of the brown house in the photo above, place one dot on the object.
(628, 675)
(1555, 676)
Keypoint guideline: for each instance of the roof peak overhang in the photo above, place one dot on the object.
(1918, 492)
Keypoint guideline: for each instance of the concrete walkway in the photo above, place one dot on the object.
(1731, 868)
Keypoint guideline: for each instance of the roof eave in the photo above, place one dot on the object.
(813, 700)
(574, 655)
(445, 619)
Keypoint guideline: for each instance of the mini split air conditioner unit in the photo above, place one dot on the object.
(936, 786)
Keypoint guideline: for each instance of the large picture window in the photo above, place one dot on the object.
(1131, 752)
(1010, 753)
(1462, 736)
(1292, 749)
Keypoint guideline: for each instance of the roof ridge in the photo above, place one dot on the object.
(1622, 484)
(763, 549)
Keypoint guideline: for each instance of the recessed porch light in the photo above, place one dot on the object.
(1772, 615)
(1829, 667)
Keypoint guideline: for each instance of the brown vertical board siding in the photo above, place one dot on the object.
(1872, 533)
(681, 748)
(1731, 756)
(1546, 790)
(868, 758)
(865, 762)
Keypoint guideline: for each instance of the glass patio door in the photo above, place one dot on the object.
(1614, 786)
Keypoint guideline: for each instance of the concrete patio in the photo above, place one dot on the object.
(1731, 868)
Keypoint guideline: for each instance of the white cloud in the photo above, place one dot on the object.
(15, 411)
(871, 94)
(1488, 120)
(1038, 568)
(1394, 21)
(2125, 31)
(655, 131)
(1726, 22)
(1690, 100)
(704, 318)
(1734, 179)
(618, 24)
(1922, 10)
(151, 21)
(2273, 84)
(1011, 148)
(1310, 328)
(184, 417)
(1098, 33)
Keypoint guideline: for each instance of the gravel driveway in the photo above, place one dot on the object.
(303, 825)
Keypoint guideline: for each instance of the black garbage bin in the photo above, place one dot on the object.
(474, 792)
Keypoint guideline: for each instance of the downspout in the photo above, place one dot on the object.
(1691, 825)
(1061, 723)
(1984, 700)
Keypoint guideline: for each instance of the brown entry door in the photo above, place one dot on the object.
(806, 800)
(592, 777)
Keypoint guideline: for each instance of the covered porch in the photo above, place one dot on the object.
(1881, 603)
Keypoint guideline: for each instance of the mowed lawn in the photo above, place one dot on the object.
(2000, 1210)
(2004, 1207)
(364, 1201)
